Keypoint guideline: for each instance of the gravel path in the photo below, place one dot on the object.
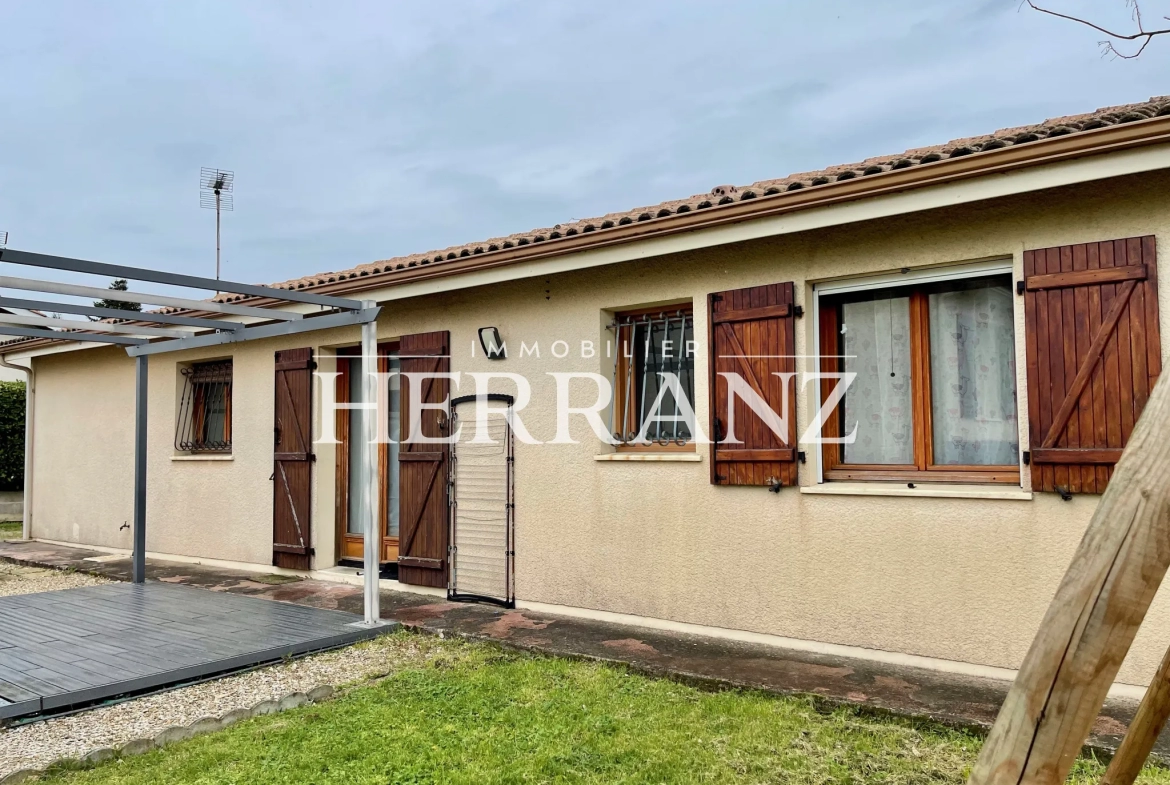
(15, 579)
(35, 746)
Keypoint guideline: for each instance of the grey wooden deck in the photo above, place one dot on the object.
(74, 647)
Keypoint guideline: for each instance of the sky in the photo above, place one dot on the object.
(361, 131)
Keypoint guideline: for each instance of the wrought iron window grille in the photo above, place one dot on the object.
(204, 423)
(648, 345)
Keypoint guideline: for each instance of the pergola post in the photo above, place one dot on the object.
(369, 454)
(138, 569)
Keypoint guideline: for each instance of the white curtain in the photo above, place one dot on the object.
(973, 376)
(875, 341)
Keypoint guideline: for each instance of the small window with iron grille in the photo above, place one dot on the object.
(654, 378)
(205, 408)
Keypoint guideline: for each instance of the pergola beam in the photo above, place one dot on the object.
(345, 319)
(57, 335)
(77, 290)
(98, 327)
(115, 313)
(173, 279)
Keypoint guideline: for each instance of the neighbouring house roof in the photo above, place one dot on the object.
(1059, 138)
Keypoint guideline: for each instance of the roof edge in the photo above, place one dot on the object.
(1094, 142)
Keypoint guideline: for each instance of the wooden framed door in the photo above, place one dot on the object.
(350, 538)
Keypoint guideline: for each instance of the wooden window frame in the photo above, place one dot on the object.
(350, 544)
(621, 368)
(923, 469)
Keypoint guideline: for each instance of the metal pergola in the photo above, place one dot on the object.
(163, 332)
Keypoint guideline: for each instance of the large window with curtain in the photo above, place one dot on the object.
(933, 391)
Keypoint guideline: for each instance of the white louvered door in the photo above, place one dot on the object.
(481, 503)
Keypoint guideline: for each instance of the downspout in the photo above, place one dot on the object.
(30, 389)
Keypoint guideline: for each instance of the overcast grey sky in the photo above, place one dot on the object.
(364, 130)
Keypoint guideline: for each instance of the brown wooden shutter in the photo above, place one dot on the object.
(293, 456)
(422, 550)
(751, 332)
(1094, 353)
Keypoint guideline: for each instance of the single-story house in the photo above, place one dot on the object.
(994, 304)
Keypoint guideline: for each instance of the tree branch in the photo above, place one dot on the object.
(1143, 35)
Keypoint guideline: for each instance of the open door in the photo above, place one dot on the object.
(423, 465)
(292, 458)
(482, 508)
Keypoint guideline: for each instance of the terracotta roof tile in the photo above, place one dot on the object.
(723, 195)
(728, 194)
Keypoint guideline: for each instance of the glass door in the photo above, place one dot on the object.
(350, 476)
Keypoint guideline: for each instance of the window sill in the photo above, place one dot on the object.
(660, 457)
(900, 489)
(207, 457)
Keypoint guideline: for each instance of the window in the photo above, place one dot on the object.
(654, 368)
(205, 408)
(934, 396)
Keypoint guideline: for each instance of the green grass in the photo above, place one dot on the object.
(10, 530)
(478, 715)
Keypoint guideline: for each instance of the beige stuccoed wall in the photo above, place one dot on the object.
(960, 579)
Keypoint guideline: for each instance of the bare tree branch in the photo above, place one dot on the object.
(1142, 34)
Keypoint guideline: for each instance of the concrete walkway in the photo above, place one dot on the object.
(952, 699)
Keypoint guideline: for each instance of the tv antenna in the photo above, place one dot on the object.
(3, 239)
(215, 192)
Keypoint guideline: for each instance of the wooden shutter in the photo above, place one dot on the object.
(751, 332)
(293, 456)
(423, 468)
(1094, 353)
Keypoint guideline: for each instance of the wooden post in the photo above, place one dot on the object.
(1143, 731)
(1092, 619)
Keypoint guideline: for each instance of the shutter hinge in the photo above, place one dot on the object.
(802, 456)
(1027, 458)
(1020, 287)
(313, 457)
(798, 311)
(720, 478)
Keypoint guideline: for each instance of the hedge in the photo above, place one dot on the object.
(11, 436)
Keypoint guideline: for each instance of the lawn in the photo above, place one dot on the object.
(480, 715)
(10, 530)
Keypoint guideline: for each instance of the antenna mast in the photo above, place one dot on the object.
(215, 192)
